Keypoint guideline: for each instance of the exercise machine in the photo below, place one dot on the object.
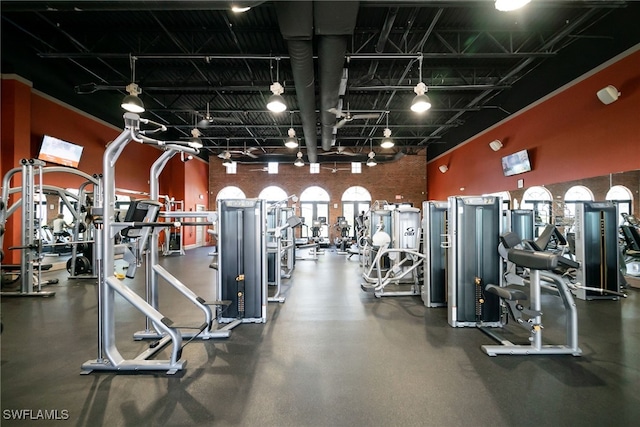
(596, 233)
(343, 227)
(174, 239)
(280, 247)
(242, 264)
(631, 245)
(540, 266)
(435, 231)
(403, 252)
(143, 216)
(474, 230)
(155, 272)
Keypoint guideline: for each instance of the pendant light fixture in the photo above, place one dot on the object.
(291, 141)
(227, 157)
(371, 161)
(421, 102)
(131, 102)
(509, 5)
(387, 142)
(299, 162)
(276, 101)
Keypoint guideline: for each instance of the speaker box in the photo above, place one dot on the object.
(608, 95)
(495, 145)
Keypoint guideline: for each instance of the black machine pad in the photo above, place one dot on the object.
(534, 260)
(507, 293)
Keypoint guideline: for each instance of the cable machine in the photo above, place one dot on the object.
(435, 243)
(597, 250)
(474, 230)
(31, 246)
(242, 264)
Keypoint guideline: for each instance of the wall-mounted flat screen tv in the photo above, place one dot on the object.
(56, 150)
(516, 163)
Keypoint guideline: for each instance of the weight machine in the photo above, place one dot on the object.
(142, 217)
(596, 233)
(154, 271)
(242, 264)
(540, 266)
(435, 231)
(474, 230)
(174, 238)
(31, 246)
(280, 247)
(403, 253)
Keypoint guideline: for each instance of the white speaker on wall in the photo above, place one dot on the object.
(608, 94)
(495, 145)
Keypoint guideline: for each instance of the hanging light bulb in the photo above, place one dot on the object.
(195, 141)
(299, 162)
(276, 101)
(509, 5)
(131, 102)
(291, 141)
(387, 142)
(421, 102)
(371, 161)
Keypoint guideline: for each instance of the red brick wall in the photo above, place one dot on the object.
(405, 178)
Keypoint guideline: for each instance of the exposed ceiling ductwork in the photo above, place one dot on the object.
(332, 22)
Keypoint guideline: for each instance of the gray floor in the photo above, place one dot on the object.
(331, 355)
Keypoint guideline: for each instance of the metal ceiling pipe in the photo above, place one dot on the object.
(334, 23)
(296, 25)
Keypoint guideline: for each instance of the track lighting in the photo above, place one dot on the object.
(299, 162)
(509, 5)
(276, 101)
(131, 102)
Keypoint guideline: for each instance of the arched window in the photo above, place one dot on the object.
(272, 194)
(355, 200)
(623, 198)
(314, 204)
(577, 193)
(539, 200)
(231, 192)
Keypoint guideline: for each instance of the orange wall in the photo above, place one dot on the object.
(28, 115)
(570, 136)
